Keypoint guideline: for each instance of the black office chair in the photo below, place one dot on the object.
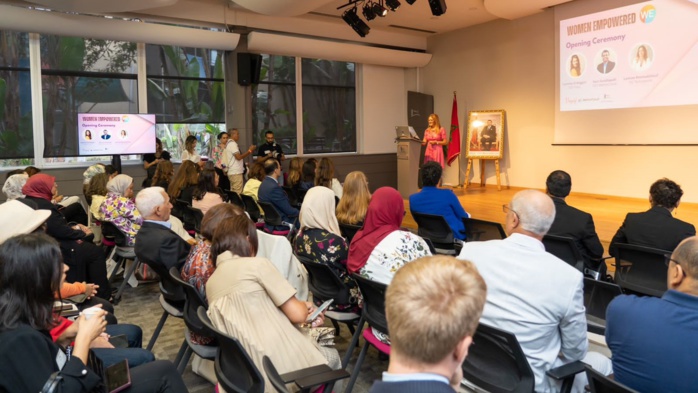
(481, 230)
(235, 198)
(436, 229)
(120, 252)
(373, 312)
(348, 231)
(597, 296)
(272, 219)
(193, 301)
(252, 209)
(181, 207)
(196, 216)
(564, 248)
(292, 196)
(599, 383)
(641, 269)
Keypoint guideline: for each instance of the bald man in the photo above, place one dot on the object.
(533, 294)
(653, 340)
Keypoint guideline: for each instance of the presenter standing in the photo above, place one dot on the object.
(434, 139)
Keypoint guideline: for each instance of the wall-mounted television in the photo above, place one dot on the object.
(106, 134)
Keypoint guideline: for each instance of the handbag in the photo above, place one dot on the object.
(93, 363)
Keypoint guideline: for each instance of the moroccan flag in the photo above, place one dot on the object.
(454, 144)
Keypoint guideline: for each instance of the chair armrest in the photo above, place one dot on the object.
(320, 379)
(596, 329)
(305, 372)
(566, 370)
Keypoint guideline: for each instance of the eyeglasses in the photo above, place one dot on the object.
(667, 259)
(507, 209)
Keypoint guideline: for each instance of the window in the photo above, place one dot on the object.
(186, 92)
(16, 131)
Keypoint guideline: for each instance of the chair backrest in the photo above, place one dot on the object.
(641, 269)
(599, 383)
(197, 216)
(251, 207)
(481, 230)
(324, 282)
(193, 301)
(300, 194)
(348, 231)
(111, 232)
(234, 369)
(374, 302)
(291, 194)
(564, 248)
(496, 362)
(235, 198)
(171, 290)
(597, 296)
(181, 207)
(271, 215)
(433, 227)
(273, 375)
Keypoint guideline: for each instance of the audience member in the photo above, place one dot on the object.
(380, 248)
(320, 239)
(353, 205)
(151, 160)
(439, 201)
(324, 176)
(308, 174)
(207, 194)
(184, 183)
(30, 273)
(653, 339)
(164, 172)
(89, 173)
(250, 300)
(218, 163)
(252, 184)
(293, 178)
(656, 227)
(31, 170)
(119, 208)
(232, 158)
(432, 307)
(13, 186)
(190, 152)
(96, 194)
(574, 223)
(86, 261)
(533, 294)
(271, 192)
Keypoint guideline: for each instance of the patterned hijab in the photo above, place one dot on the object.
(384, 216)
(318, 210)
(119, 184)
(13, 186)
(39, 186)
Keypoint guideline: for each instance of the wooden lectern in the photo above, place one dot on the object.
(408, 150)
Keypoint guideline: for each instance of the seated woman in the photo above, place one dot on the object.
(97, 192)
(163, 174)
(206, 194)
(293, 176)
(89, 173)
(324, 176)
(354, 202)
(184, 182)
(320, 240)
(380, 248)
(308, 174)
(120, 209)
(190, 152)
(13, 186)
(250, 300)
(30, 273)
(86, 261)
(256, 176)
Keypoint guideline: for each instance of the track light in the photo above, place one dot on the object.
(392, 4)
(438, 7)
(368, 11)
(379, 10)
(353, 20)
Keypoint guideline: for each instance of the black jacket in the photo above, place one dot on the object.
(579, 225)
(654, 228)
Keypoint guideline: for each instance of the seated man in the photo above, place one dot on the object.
(574, 223)
(156, 243)
(432, 307)
(271, 192)
(533, 294)
(437, 201)
(652, 339)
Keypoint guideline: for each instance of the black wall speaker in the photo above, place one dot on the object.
(438, 7)
(249, 67)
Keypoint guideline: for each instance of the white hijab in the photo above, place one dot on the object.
(318, 210)
(119, 184)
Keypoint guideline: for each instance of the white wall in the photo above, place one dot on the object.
(383, 105)
(510, 65)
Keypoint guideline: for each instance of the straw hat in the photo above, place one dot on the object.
(16, 218)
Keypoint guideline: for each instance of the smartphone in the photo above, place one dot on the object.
(120, 341)
(117, 377)
(319, 310)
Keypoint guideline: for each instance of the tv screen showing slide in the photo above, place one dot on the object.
(102, 134)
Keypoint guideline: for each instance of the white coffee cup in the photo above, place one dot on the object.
(90, 312)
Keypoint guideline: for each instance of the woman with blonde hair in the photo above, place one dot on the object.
(354, 203)
(324, 176)
(434, 139)
(163, 174)
(293, 177)
(185, 181)
(189, 152)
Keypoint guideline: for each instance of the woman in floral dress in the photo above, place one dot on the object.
(120, 209)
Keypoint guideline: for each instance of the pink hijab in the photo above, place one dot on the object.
(39, 186)
(384, 216)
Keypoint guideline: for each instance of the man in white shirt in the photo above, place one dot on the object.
(232, 158)
(533, 294)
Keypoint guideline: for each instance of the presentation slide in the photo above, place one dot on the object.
(630, 57)
(115, 134)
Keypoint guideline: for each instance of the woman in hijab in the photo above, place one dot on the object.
(86, 260)
(120, 209)
(380, 248)
(13, 186)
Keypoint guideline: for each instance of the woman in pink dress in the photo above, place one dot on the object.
(434, 139)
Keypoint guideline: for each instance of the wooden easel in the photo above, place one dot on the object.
(482, 172)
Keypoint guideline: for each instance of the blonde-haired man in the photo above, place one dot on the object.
(432, 307)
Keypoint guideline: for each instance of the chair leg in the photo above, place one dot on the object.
(354, 342)
(119, 261)
(357, 367)
(156, 333)
(127, 275)
(336, 327)
(183, 357)
(350, 325)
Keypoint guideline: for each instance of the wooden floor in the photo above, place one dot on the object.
(485, 203)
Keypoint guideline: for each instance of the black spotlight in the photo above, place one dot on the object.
(410, 2)
(353, 20)
(379, 10)
(392, 4)
(368, 11)
(438, 7)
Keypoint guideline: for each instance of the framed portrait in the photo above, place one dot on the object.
(485, 138)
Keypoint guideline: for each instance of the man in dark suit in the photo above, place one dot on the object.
(271, 192)
(574, 223)
(606, 65)
(488, 136)
(105, 135)
(156, 244)
(656, 227)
